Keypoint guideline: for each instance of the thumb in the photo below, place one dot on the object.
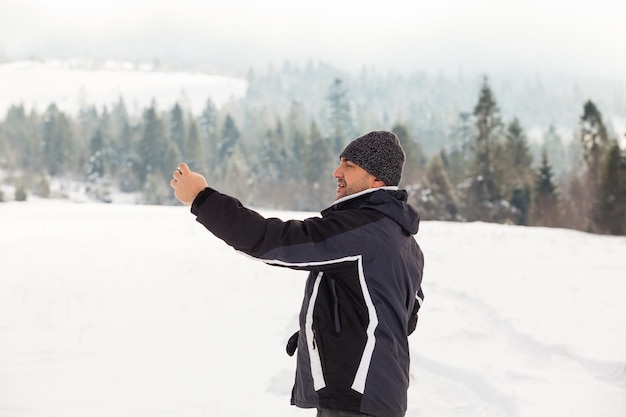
(184, 168)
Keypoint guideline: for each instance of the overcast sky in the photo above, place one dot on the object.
(579, 37)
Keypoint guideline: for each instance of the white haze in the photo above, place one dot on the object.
(451, 36)
(131, 311)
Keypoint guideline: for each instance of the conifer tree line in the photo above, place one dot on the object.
(280, 154)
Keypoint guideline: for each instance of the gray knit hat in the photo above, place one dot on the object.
(379, 153)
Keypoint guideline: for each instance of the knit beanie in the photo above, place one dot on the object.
(379, 153)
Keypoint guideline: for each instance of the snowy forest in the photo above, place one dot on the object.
(469, 152)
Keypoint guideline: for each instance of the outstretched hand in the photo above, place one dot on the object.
(187, 184)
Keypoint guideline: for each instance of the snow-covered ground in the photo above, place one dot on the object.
(72, 85)
(126, 310)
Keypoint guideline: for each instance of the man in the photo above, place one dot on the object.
(363, 291)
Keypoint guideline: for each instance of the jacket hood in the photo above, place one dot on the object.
(390, 201)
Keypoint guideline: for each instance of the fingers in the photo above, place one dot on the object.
(184, 168)
(178, 173)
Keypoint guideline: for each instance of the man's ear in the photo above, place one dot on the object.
(378, 183)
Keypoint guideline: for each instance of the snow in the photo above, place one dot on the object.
(132, 310)
(73, 84)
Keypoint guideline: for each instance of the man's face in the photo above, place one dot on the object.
(351, 179)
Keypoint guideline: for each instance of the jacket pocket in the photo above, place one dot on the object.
(335, 306)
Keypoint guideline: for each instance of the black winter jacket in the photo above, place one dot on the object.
(362, 295)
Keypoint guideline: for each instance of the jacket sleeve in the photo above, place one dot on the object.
(310, 244)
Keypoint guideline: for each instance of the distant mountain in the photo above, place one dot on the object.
(72, 84)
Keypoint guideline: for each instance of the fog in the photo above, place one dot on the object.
(450, 36)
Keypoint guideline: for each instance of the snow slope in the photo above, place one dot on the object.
(74, 84)
(125, 310)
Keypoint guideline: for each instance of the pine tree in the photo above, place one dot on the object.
(610, 215)
(229, 139)
(484, 193)
(515, 164)
(517, 148)
(152, 146)
(99, 167)
(553, 144)
(415, 160)
(456, 155)
(237, 173)
(172, 156)
(58, 142)
(593, 138)
(99, 150)
(439, 200)
(319, 160)
(96, 163)
(273, 155)
(546, 208)
(88, 122)
(594, 146)
(97, 186)
(177, 130)
(574, 201)
(21, 145)
(122, 140)
(194, 147)
(209, 134)
(461, 133)
(317, 168)
(296, 140)
(125, 145)
(341, 125)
